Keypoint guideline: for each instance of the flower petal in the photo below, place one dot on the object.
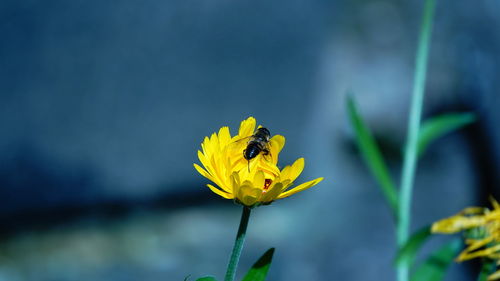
(209, 176)
(273, 193)
(473, 211)
(268, 167)
(248, 171)
(494, 203)
(214, 143)
(248, 195)
(235, 184)
(457, 223)
(300, 188)
(220, 192)
(247, 127)
(292, 172)
(203, 172)
(276, 144)
(259, 180)
(203, 160)
(476, 244)
(494, 276)
(204, 145)
(224, 137)
(481, 253)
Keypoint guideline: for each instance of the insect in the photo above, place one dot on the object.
(258, 143)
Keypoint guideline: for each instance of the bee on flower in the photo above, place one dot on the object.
(481, 228)
(249, 179)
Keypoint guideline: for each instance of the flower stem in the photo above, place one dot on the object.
(238, 245)
(410, 158)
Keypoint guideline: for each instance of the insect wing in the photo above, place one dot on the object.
(239, 144)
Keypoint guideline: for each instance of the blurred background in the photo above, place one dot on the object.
(103, 105)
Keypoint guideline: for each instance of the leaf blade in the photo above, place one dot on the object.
(406, 254)
(259, 269)
(441, 125)
(206, 278)
(487, 269)
(372, 155)
(435, 266)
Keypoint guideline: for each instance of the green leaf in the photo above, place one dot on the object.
(441, 125)
(406, 254)
(259, 270)
(372, 155)
(435, 266)
(206, 278)
(487, 269)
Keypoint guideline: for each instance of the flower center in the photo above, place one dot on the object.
(267, 183)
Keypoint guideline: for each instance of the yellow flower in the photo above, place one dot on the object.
(251, 183)
(482, 227)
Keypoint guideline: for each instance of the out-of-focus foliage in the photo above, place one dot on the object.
(372, 155)
(435, 266)
(206, 278)
(259, 269)
(438, 126)
(486, 270)
(407, 253)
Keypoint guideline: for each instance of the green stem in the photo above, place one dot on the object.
(410, 158)
(238, 245)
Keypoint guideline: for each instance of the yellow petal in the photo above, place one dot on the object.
(278, 142)
(214, 143)
(209, 146)
(476, 244)
(473, 245)
(203, 159)
(235, 184)
(286, 184)
(259, 179)
(236, 177)
(216, 170)
(224, 137)
(248, 195)
(300, 188)
(275, 146)
(209, 176)
(457, 223)
(473, 211)
(203, 172)
(482, 253)
(248, 172)
(247, 127)
(240, 164)
(220, 192)
(272, 193)
(268, 167)
(205, 146)
(494, 203)
(292, 172)
(494, 276)
(235, 147)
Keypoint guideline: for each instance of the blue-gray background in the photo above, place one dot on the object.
(103, 105)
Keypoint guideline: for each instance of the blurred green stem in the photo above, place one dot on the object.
(238, 245)
(411, 149)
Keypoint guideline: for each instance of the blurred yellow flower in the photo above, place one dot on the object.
(250, 183)
(482, 238)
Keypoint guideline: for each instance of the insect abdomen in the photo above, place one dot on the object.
(253, 149)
